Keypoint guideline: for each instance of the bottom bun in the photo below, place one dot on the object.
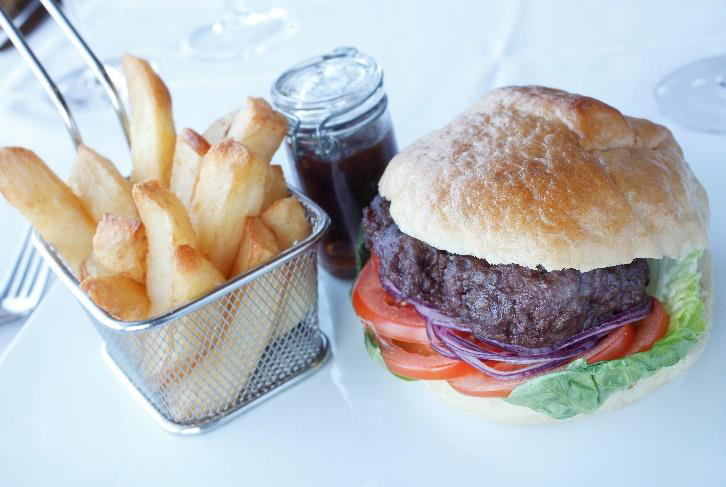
(496, 409)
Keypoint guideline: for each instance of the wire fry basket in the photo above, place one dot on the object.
(200, 365)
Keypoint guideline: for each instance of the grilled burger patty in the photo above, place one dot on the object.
(507, 303)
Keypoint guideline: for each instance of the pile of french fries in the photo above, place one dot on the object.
(197, 211)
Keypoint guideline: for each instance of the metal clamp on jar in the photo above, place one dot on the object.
(340, 139)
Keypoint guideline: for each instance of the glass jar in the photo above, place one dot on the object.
(340, 139)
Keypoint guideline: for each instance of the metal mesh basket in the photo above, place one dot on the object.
(199, 365)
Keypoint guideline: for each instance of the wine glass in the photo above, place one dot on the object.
(81, 88)
(695, 94)
(104, 24)
(245, 28)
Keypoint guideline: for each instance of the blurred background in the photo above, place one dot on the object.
(438, 57)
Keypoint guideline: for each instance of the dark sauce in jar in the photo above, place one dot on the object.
(340, 139)
(343, 187)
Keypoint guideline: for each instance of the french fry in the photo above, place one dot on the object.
(258, 246)
(187, 342)
(177, 348)
(275, 186)
(50, 205)
(167, 227)
(239, 344)
(90, 269)
(99, 185)
(286, 218)
(120, 246)
(259, 127)
(219, 128)
(151, 125)
(229, 188)
(296, 298)
(121, 297)
(190, 148)
(193, 275)
(192, 390)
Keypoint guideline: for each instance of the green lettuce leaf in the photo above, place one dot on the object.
(362, 254)
(582, 388)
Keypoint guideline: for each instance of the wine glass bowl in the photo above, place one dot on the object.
(245, 29)
(695, 95)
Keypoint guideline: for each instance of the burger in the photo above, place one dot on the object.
(543, 256)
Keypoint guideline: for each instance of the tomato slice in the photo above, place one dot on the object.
(377, 309)
(613, 346)
(418, 361)
(650, 329)
(478, 384)
(632, 338)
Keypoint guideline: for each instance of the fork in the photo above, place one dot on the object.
(26, 282)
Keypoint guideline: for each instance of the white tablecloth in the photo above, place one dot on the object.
(64, 418)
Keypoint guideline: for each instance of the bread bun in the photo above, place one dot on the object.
(537, 176)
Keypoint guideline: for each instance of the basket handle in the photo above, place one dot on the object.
(96, 67)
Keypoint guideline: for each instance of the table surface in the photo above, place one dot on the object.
(66, 420)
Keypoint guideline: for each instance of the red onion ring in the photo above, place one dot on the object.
(437, 344)
(477, 362)
(457, 344)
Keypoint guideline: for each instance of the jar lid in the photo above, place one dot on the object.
(337, 85)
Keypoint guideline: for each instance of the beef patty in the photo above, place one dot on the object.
(508, 303)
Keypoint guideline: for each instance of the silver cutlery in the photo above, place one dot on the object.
(24, 284)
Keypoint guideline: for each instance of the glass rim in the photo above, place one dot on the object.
(323, 109)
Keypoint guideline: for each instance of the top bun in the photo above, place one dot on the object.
(536, 176)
